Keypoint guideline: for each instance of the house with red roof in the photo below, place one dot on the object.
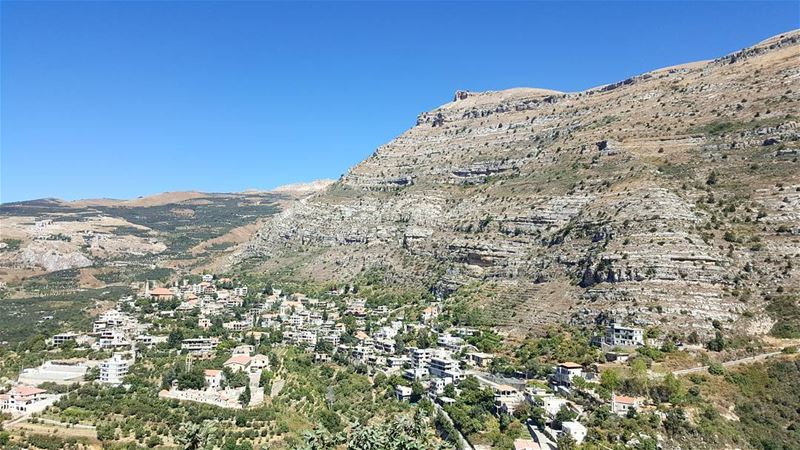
(21, 398)
(622, 404)
(214, 378)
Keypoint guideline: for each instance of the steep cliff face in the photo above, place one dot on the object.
(669, 198)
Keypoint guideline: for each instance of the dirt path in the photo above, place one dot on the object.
(733, 363)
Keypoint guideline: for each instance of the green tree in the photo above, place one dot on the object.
(105, 432)
(244, 398)
(717, 344)
(193, 436)
(566, 442)
(610, 380)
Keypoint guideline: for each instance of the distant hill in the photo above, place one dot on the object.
(56, 244)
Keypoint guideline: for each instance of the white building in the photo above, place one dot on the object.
(420, 357)
(112, 338)
(259, 362)
(214, 379)
(62, 338)
(238, 325)
(243, 349)
(240, 291)
(619, 336)
(402, 392)
(149, 340)
(114, 369)
(552, 405)
(443, 366)
(204, 323)
(566, 372)
(199, 345)
(621, 404)
(415, 374)
(574, 429)
(507, 399)
(450, 342)
(22, 399)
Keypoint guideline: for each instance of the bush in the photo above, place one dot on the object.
(716, 368)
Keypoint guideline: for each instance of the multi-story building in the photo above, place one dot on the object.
(403, 392)
(480, 359)
(362, 352)
(443, 366)
(507, 399)
(397, 362)
(204, 323)
(385, 345)
(237, 325)
(112, 339)
(199, 345)
(20, 399)
(331, 338)
(214, 379)
(566, 372)
(243, 349)
(240, 291)
(62, 338)
(420, 357)
(259, 362)
(114, 369)
(619, 336)
(149, 340)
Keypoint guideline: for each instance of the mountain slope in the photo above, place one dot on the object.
(671, 198)
(116, 240)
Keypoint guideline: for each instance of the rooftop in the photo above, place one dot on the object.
(238, 359)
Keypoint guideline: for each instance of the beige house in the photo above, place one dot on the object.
(238, 363)
(161, 294)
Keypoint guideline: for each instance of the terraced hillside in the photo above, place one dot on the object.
(671, 198)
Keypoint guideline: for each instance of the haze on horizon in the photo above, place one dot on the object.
(123, 99)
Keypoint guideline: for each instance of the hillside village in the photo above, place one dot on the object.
(229, 325)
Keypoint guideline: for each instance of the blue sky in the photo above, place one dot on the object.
(122, 99)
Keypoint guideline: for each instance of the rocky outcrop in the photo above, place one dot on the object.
(657, 197)
(52, 257)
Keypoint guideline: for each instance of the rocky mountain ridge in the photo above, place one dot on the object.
(671, 198)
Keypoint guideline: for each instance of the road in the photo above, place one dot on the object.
(544, 442)
(735, 362)
(464, 442)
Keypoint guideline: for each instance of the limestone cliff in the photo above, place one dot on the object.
(669, 198)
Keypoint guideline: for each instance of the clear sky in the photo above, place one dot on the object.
(121, 99)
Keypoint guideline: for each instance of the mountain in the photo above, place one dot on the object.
(303, 189)
(51, 244)
(671, 198)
